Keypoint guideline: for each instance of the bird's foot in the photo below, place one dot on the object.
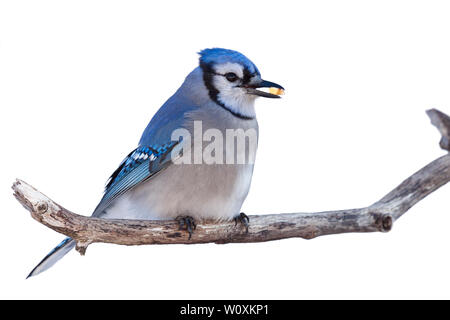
(189, 224)
(242, 218)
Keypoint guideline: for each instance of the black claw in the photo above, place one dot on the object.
(244, 219)
(189, 222)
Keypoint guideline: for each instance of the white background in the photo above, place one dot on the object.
(80, 80)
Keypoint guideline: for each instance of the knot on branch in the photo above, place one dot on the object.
(42, 207)
(384, 222)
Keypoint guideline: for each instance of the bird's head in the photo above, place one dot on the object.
(234, 82)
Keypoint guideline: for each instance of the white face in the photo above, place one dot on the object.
(227, 81)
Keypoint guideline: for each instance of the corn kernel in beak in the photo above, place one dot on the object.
(276, 91)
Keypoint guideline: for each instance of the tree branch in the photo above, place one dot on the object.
(441, 121)
(379, 216)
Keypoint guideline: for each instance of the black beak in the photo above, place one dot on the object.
(275, 89)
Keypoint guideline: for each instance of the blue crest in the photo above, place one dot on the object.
(219, 56)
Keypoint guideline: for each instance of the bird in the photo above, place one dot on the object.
(219, 94)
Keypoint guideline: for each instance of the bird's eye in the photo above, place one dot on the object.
(232, 77)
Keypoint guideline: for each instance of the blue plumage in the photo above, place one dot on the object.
(134, 159)
(138, 166)
(53, 256)
(220, 56)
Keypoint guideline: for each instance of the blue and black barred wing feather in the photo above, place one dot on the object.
(140, 165)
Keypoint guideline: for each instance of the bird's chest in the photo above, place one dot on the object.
(214, 191)
(217, 137)
(210, 181)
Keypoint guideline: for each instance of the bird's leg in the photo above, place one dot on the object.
(189, 222)
(242, 218)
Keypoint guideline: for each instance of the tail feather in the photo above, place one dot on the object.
(50, 259)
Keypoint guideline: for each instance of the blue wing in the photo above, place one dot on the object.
(154, 151)
(138, 166)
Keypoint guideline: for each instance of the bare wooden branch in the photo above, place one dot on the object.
(379, 216)
(441, 121)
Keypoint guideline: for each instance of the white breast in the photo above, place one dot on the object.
(202, 191)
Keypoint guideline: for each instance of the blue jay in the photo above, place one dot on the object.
(148, 184)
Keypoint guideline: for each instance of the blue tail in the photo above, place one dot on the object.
(50, 259)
